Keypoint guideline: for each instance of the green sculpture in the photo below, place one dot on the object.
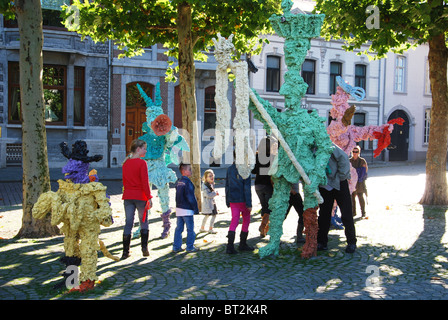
(305, 146)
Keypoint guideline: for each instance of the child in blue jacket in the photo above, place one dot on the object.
(186, 208)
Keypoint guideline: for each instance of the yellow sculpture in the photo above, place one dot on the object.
(82, 208)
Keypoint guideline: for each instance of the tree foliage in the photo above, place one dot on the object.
(403, 23)
(138, 24)
(7, 9)
(185, 27)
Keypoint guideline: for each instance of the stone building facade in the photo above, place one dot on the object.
(91, 94)
(325, 61)
(76, 91)
(407, 94)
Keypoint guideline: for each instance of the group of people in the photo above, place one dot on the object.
(335, 194)
(137, 197)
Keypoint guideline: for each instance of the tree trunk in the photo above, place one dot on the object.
(436, 192)
(187, 91)
(36, 177)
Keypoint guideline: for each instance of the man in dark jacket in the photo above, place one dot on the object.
(336, 189)
(186, 208)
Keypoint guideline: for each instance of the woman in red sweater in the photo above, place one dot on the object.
(136, 195)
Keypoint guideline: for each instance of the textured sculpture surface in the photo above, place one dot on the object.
(162, 139)
(346, 135)
(304, 145)
(82, 206)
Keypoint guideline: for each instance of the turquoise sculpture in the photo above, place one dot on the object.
(161, 152)
(303, 131)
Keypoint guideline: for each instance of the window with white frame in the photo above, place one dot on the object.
(360, 76)
(309, 75)
(427, 123)
(359, 120)
(209, 108)
(335, 70)
(400, 73)
(427, 80)
(273, 74)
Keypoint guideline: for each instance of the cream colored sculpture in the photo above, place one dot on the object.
(245, 157)
(301, 134)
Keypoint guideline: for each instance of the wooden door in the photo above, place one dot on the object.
(135, 117)
(135, 111)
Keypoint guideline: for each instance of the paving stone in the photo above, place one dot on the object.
(404, 243)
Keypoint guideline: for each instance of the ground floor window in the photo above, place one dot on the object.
(209, 108)
(54, 80)
(427, 123)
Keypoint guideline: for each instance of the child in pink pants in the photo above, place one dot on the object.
(238, 198)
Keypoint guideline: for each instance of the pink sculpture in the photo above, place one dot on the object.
(345, 135)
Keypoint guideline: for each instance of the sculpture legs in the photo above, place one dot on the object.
(311, 226)
(281, 190)
(164, 203)
(88, 246)
(71, 242)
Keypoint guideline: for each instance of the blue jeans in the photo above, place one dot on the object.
(191, 236)
(129, 210)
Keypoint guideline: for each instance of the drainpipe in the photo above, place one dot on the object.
(386, 151)
(383, 105)
(109, 66)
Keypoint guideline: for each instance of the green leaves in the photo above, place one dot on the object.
(7, 9)
(136, 24)
(402, 24)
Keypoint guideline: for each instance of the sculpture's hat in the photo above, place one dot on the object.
(153, 108)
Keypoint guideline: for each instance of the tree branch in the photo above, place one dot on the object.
(159, 28)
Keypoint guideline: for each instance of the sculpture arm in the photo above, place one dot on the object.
(365, 133)
(267, 106)
(171, 137)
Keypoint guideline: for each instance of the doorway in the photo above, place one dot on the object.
(398, 150)
(135, 111)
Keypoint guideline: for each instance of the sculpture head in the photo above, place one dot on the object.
(79, 152)
(78, 165)
(223, 49)
(357, 93)
(153, 108)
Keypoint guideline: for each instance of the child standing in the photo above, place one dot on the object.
(136, 195)
(208, 200)
(186, 208)
(239, 199)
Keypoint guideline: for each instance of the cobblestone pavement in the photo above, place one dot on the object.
(401, 254)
